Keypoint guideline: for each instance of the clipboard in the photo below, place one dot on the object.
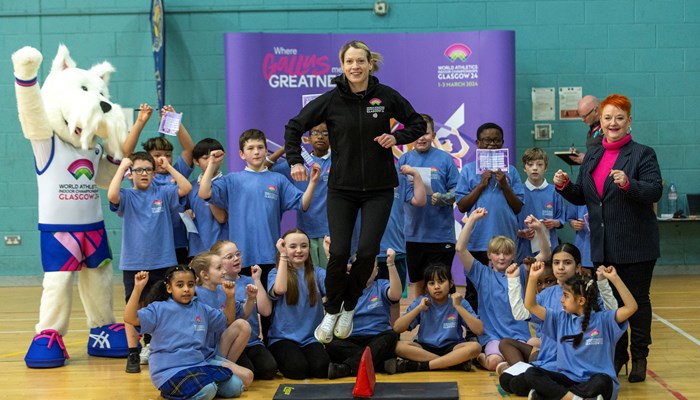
(566, 156)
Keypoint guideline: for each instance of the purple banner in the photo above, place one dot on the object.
(462, 79)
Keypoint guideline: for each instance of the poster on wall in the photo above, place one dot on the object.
(461, 79)
(568, 102)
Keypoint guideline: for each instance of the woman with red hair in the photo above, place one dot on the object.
(619, 182)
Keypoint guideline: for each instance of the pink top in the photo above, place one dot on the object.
(602, 171)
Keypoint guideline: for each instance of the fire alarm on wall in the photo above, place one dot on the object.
(381, 7)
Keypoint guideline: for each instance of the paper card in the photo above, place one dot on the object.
(518, 368)
(170, 123)
(491, 160)
(425, 176)
(189, 223)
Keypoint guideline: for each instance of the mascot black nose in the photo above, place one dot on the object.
(105, 106)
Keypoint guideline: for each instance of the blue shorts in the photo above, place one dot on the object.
(73, 251)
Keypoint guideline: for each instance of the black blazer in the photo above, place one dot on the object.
(623, 224)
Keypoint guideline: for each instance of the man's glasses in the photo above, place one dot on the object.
(142, 171)
(319, 133)
(490, 140)
(588, 113)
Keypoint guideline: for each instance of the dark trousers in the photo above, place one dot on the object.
(264, 321)
(515, 384)
(259, 360)
(343, 206)
(554, 385)
(470, 294)
(637, 278)
(295, 362)
(349, 351)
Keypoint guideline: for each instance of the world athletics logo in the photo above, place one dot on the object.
(375, 101)
(458, 51)
(82, 167)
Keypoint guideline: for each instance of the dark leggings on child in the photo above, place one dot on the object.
(258, 359)
(554, 385)
(295, 362)
(349, 351)
(343, 206)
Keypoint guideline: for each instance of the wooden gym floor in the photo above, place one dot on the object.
(674, 355)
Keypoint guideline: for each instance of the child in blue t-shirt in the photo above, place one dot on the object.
(224, 348)
(371, 325)
(179, 324)
(541, 200)
(296, 288)
(161, 147)
(491, 283)
(211, 221)
(585, 337)
(444, 317)
(147, 211)
(256, 357)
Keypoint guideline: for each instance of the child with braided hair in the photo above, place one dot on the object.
(585, 336)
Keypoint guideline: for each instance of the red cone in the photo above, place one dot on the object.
(364, 384)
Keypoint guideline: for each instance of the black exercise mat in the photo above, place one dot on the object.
(382, 390)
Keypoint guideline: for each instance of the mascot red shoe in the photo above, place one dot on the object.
(62, 121)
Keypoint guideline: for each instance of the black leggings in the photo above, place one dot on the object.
(343, 206)
(295, 362)
(554, 385)
(349, 351)
(259, 360)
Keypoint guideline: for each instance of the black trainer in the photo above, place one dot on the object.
(133, 363)
(336, 371)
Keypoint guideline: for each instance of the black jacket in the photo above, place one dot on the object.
(354, 120)
(623, 225)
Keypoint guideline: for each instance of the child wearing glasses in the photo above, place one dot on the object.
(211, 221)
(147, 212)
(315, 220)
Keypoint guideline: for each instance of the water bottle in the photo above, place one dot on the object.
(672, 199)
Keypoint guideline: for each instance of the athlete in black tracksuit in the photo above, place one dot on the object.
(362, 175)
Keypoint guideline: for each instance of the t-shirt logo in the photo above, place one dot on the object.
(198, 325)
(594, 338)
(271, 192)
(82, 167)
(548, 211)
(375, 107)
(374, 302)
(450, 322)
(156, 206)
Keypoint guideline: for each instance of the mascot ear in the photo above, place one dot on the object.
(103, 70)
(62, 60)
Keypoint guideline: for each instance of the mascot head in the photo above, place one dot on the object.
(78, 105)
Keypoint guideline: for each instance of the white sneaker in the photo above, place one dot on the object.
(145, 351)
(324, 330)
(343, 328)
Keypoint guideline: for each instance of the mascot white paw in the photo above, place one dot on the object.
(63, 121)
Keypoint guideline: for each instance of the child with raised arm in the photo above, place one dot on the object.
(256, 357)
(211, 221)
(147, 211)
(371, 326)
(585, 337)
(491, 283)
(161, 147)
(179, 325)
(224, 348)
(443, 316)
(256, 198)
(296, 288)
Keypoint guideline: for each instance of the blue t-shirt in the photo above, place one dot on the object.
(147, 238)
(431, 223)
(542, 203)
(208, 228)
(179, 333)
(596, 352)
(315, 220)
(179, 230)
(256, 201)
(440, 325)
(494, 308)
(394, 237)
(215, 299)
(501, 219)
(372, 313)
(241, 297)
(296, 322)
(583, 237)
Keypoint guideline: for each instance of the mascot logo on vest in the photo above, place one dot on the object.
(63, 121)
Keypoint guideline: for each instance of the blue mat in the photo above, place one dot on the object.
(382, 390)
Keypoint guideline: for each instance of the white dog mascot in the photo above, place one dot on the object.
(62, 121)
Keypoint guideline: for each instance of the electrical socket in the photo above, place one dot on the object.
(381, 7)
(13, 240)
